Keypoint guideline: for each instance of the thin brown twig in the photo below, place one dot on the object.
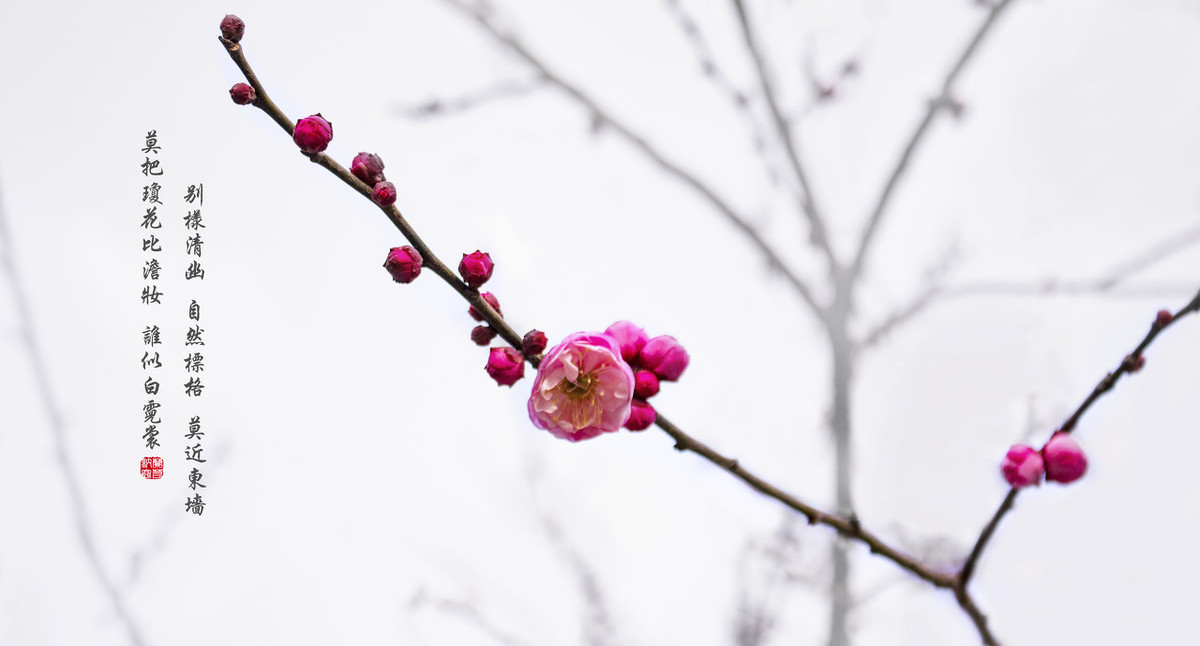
(819, 234)
(58, 435)
(846, 527)
(944, 99)
(1127, 365)
(671, 168)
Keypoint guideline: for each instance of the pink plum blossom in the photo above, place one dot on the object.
(641, 415)
(1065, 460)
(1022, 466)
(505, 365)
(313, 134)
(583, 388)
(631, 337)
(665, 357)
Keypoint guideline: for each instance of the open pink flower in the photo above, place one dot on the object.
(583, 388)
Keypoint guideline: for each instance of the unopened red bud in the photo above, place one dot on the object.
(313, 134)
(1022, 466)
(490, 299)
(534, 343)
(505, 365)
(476, 268)
(641, 416)
(403, 263)
(1163, 318)
(630, 337)
(1065, 460)
(384, 194)
(482, 335)
(665, 357)
(368, 167)
(242, 94)
(645, 384)
(232, 28)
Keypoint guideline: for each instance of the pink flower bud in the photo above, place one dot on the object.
(476, 268)
(533, 343)
(403, 263)
(665, 357)
(1136, 363)
(482, 335)
(645, 384)
(1163, 318)
(313, 134)
(641, 416)
(384, 194)
(583, 388)
(232, 28)
(490, 299)
(1023, 466)
(505, 365)
(631, 337)
(1065, 461)
(242, 94)
(367, 167)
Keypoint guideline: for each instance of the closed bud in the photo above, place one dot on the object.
(403, 263)
(505, 365)
(641, 416)
(1065, 460)
(242, 94)
(533, 344)
(490, 299)
(631, 337)
(645, 384)
(368, 167)
(384, 194)
(665, 357)
(1022, 466)
(232, 28)
(1163, 318)
(476, 268)
(482, 335)
(313, 134)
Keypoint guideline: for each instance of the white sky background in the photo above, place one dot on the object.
(358, 454)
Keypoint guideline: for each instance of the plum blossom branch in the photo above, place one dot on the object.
(848, 527)
(943, 100)
(431, 261)
(1129, 363)
(818, 233)
(671, 168)
(58, 434)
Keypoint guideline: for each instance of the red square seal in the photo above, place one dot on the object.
(152, 468)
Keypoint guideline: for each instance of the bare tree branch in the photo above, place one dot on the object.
(671, 168)
(1109, 285)
(469, 613)
(819, 236)
(470, 101)
(945, 99)
(58, 435)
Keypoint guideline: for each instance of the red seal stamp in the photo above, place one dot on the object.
(152, 468)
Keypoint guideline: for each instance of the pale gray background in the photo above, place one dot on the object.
(362, 467)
